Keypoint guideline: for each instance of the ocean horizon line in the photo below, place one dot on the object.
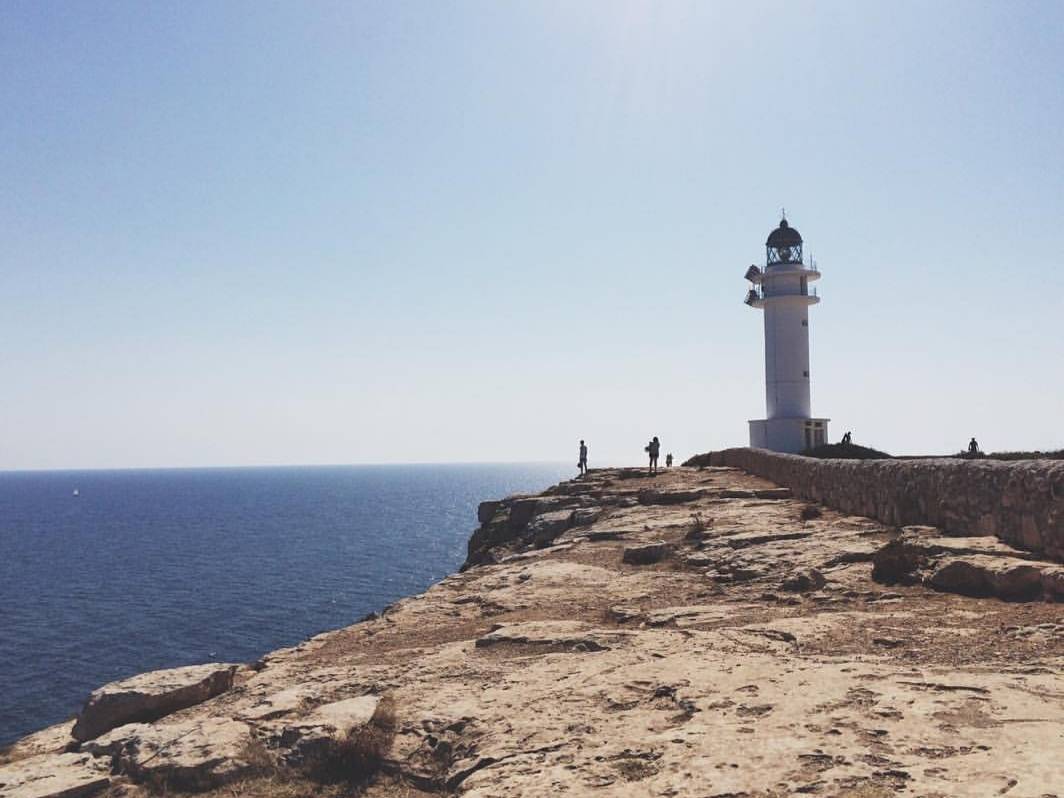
(234, 467)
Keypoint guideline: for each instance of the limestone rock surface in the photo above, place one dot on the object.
(969, 566)
(71, 775)
(192, 754)
(149, 696)
(315, 734)
(646, 553)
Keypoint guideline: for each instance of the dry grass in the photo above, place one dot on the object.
(350, 768)
(292, 786)
(357, 758)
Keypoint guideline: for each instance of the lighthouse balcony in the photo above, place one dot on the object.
(810, 273)
(757, 297)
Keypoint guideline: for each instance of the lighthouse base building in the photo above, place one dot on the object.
(792, 435)
(782, 290)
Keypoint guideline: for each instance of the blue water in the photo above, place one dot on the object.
(158, 568)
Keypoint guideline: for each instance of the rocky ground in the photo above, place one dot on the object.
(697, 633)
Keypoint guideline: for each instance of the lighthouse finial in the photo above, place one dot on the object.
(783, 214)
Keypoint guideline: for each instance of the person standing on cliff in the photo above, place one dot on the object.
(653, 448)
(973, 446)
(582, 462)
(668, 460)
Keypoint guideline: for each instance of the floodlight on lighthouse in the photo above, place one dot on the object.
(782, 291)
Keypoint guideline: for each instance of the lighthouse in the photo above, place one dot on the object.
(782, 291)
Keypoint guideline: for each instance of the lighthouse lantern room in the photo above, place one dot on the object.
(782, 290)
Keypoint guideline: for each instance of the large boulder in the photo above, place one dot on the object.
(54, 776)
(150, 696)
(898, 562)
(317, 735)
(962, 576)
(586, 515)
(803, 580)
(190, 755)
(647, 553)
(546, 527)
(1003, 577)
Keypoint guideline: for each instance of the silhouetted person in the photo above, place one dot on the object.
(653, 448)
(668, 460)
(973, 446)
(582, 462)
(847, 439)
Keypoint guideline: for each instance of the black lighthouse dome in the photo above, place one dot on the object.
(784, 236)
(784, 245)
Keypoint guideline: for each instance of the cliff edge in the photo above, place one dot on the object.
(697, 633)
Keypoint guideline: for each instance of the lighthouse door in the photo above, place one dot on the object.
(815, 434)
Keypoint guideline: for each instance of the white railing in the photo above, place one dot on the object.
(758, 293)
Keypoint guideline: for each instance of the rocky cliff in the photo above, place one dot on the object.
(698, 633)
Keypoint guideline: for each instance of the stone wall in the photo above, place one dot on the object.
(1021, 502)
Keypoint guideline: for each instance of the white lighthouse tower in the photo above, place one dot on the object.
(782, 291)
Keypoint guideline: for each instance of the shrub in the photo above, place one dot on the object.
(846, 451)
(358, 756)
(699, 525)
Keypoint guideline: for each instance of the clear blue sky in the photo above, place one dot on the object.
(238, 233)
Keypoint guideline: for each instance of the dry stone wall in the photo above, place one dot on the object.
(1021, 502)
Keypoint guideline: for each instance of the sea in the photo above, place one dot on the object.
(105, 574)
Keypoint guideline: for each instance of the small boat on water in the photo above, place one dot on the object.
(76, 493)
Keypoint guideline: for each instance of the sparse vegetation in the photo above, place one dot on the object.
(350, 768)
(846, 451)
(696, 530)
(358, 756)
(284, 784)
(1035, 455)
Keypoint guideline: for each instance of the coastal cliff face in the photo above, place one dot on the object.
(697, 633)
